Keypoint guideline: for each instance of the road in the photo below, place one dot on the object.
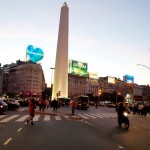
(91, 129)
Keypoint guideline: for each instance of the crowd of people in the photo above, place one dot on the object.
(140, 108)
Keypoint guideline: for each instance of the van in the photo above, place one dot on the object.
(81, 102)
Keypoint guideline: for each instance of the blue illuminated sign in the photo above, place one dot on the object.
(35, 54)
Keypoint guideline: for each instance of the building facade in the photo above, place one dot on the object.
(23, 78)
(77, 85)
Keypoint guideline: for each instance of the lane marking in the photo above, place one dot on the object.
(88, 123)
(121, 146)
(7, 141)
(19, 129)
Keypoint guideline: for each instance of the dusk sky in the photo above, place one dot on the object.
(112, 36)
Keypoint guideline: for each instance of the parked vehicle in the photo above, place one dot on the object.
(23, 102)
(111, 105)
(81, 102)
(124, 119)
(3, 106)
(64, 101)
(12, 105)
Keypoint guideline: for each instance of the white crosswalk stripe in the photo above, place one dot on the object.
(23, 118)
(9, 118)
(46, 117)
(97, 115)
(89, 115)
(58, 118)
(2, 116)
(36, 117)
(84, 117)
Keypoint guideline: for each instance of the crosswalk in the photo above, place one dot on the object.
(97, 115)
(46, 117)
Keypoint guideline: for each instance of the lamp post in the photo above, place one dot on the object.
(51, 82)
(143, 66)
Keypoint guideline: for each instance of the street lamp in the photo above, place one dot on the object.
(143, 66)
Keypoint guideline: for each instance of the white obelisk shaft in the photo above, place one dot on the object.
(61, 63)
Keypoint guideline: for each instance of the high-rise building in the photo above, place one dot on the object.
(61, 63)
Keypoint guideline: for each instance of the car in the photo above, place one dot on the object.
(3, 106)
(23, 102)
(111, 105)
(12, 105)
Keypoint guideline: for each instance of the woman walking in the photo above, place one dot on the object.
(32, 107)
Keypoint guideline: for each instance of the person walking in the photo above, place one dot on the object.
(43, 104)
(73, 106)
(32, 107)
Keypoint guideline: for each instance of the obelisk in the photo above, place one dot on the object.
(61, 62)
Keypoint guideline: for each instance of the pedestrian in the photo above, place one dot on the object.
(55, 104)
(73, 106)
(96, 103)
(47, 103)
(43, 103)
(32, 107)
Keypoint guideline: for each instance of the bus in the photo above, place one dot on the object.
(82, 102)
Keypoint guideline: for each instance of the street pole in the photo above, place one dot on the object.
(143, 66)
(51, 82)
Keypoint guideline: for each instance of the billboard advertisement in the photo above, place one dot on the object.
(35, 54)
(111, 79)
(128, 79)
(78, 67)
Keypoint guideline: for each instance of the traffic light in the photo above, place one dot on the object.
(59, 93)
(99, 92)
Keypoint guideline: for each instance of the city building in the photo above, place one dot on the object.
(78, 85)
(93, 83)
(1, 79)
(23, 79)
(146, 92)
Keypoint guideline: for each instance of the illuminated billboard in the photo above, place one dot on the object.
(128, 79)
(78, 67)
(35, 54)
(111, 79)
